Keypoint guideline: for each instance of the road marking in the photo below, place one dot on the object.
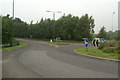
(56, 46)
(48, 44)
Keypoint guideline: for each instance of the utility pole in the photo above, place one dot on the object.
(13, 9)
(119, 15)
(53, 15)
(13, 25)
(0, 31)
(112, 24)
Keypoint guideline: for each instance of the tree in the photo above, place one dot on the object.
(7, 30)
(67, 28)
(21, 28)
(116, 35)
(102, 33)
(0, 30)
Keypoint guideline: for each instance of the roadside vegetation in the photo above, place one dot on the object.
(71, 29)
(67, 27)
(110, 47)
(7, 48)
(110, 50)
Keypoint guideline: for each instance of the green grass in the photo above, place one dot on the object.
(93, 51)
(22, 44)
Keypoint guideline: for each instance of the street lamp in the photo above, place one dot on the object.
(112, 23)
(13, 25)
(13, 9)
(54, 18)
(0, 30)
(54, 13)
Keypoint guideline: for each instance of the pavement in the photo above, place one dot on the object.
(43, 60)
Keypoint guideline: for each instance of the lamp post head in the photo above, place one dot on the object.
(59, 12)
(48, 11)
(113, 12)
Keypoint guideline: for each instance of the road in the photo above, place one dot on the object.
(42, 60)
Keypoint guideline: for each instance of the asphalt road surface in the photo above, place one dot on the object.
(42, 60)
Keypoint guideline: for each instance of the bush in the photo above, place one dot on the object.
(16, 42)
(118, 50)
(101, 46)
(107, 44)
(109, 50)
(110, 47)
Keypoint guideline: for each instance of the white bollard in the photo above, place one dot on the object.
(51, 40)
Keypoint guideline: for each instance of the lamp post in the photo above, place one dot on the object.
(13, 9)
(112, 23)
(54, 13)
(0, 30)
(54, 18)
(13, 25)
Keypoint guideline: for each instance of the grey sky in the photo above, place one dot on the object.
(28, 10)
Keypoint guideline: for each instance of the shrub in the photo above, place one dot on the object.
(107, 44)
(110, 47)
(109, 50)
(101, 46)
(16, 42)
(118, 50)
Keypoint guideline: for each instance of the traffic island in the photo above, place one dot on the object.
(94, 52)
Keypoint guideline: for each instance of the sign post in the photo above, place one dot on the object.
(86, 43)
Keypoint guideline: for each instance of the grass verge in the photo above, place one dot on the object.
(93, 51)
(22, 44)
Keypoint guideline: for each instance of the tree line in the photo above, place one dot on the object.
(108, 35)
(7, 30)
(67, 27)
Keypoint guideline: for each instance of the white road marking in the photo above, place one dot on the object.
(48, 44)
(56, 46)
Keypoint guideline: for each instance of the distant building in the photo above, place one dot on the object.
(119, 15)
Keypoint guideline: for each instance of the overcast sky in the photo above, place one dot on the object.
(28, 10)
